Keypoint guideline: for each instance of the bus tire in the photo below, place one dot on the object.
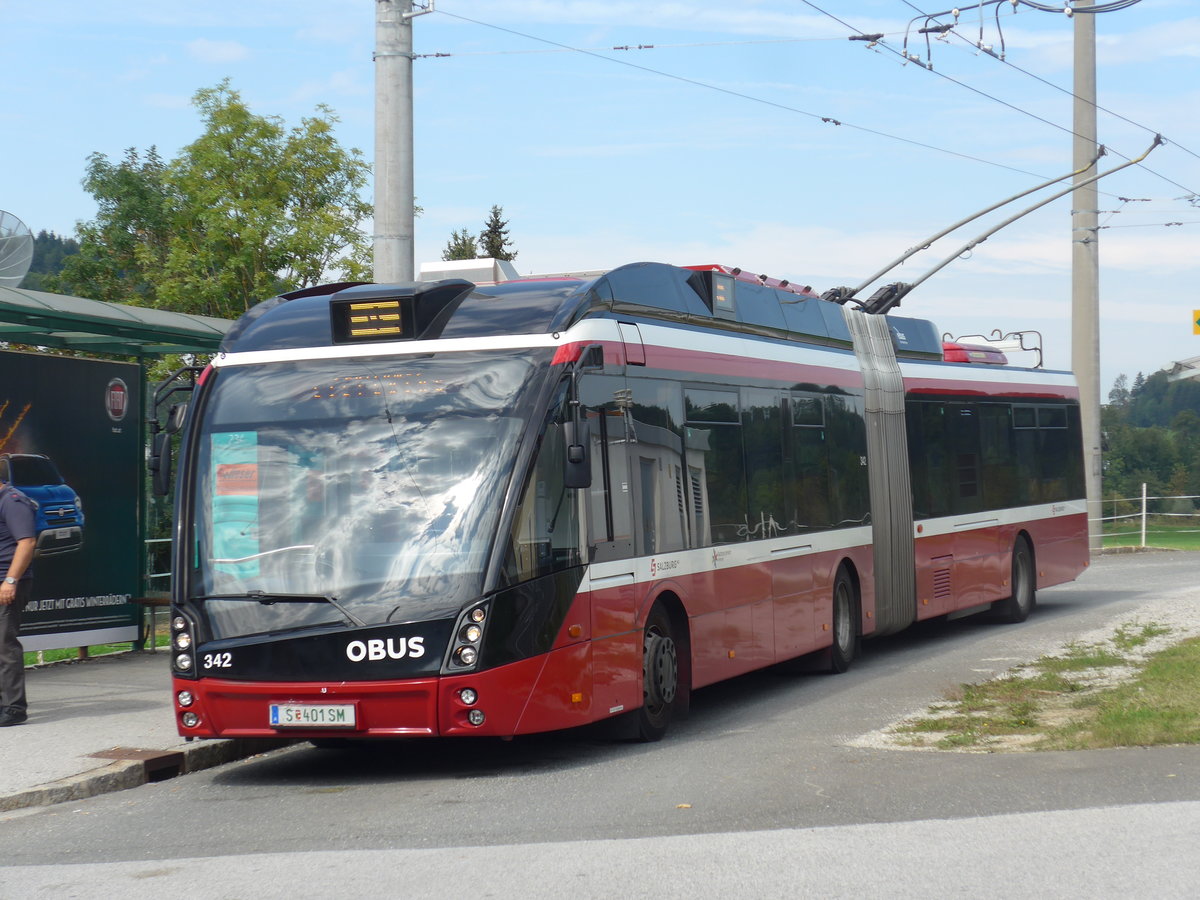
(845, 623)
(1024, 587)
(660, 676)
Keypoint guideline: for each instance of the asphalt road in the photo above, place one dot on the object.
(758, 791)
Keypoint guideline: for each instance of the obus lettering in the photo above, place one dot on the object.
(393, 648)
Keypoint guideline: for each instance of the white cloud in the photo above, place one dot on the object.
(1055, 49)
(208, 51)
(346, 83)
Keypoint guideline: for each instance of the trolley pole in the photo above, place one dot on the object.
(1085, 269)
(393, 244)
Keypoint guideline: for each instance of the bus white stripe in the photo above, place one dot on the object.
(665, 566)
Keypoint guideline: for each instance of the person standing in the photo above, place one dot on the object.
(18, 535)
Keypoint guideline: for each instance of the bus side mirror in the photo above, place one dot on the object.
(175, 418)
(160, 463)
(578, 465)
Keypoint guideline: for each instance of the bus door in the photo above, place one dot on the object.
(656, 466)
(612, 570)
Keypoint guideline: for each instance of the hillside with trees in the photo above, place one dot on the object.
(1152, 436)
(49, 253)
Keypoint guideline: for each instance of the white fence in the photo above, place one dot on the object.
(1148, 515)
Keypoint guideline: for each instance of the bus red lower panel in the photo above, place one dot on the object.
(959, 570)
(234, 709)
(1061, 551)
(543, 693)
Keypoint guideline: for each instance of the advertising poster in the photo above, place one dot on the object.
(69, 440)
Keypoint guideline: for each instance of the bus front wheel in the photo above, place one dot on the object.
(660, 675)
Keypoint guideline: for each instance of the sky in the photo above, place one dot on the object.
(754, 134)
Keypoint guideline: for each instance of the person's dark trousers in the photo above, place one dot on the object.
(12, 656)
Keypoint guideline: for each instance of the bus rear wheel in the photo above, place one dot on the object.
(845, 623)
(660, 676)
(1024, 587)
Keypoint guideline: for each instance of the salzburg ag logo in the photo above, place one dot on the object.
(661, 566)
(116, 399)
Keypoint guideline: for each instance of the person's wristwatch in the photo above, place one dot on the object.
(10, 580)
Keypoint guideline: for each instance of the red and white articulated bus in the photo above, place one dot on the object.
(449, 509)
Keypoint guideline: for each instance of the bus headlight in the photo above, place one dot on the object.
(183, 645)
(467, 645)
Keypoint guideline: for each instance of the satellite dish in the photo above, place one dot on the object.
(16, 250)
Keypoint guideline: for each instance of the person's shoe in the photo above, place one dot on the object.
(12, 716)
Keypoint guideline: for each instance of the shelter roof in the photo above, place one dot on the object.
(57, 320)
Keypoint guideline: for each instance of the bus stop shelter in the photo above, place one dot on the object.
(116, 332)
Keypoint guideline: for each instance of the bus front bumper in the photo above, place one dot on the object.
(543, 693)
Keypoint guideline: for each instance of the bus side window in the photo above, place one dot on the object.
(807, 463)
(766, 482)
(600, 510)
(656, 451)
(716, 459)
(610, 516)
(1000, 475)
(545, 533)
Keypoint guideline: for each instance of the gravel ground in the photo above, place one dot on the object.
(1178, 615)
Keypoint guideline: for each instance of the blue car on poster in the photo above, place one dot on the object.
(59, 512)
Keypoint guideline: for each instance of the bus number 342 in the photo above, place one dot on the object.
(217, 660)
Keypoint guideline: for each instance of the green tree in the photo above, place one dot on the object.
(460, 246)
(249, 209)
(1119, 395)
(1137, 455)
(493, 242)
(121, 249)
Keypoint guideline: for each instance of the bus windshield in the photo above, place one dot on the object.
(372, 483)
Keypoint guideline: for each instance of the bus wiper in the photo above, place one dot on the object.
(266, 599)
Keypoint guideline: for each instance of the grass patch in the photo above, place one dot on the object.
(1108, 694)
(1160, 706)
(1135, 634)
(1164, 537)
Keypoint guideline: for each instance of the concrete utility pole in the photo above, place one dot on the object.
(1085, 267)
(394, 139)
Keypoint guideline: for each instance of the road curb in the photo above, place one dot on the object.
(123, 774)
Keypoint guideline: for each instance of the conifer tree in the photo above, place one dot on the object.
(460, 246)
(493, 242)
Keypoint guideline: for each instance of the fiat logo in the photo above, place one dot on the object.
(116, 399)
